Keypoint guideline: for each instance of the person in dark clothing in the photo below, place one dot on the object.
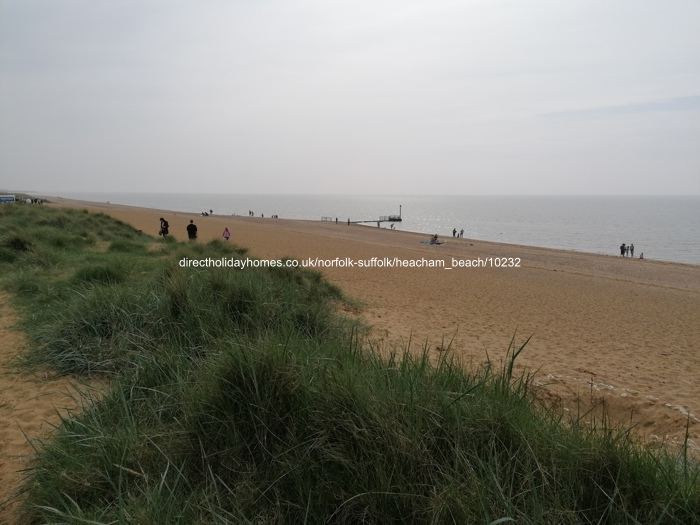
(164, 227)
(192, 231)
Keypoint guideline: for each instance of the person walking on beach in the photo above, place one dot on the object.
(164, 227)
(622, 249)
(192, 231)
(454, 232)
(628, 251)
(227, 234)
(461, 232)
(631, 250)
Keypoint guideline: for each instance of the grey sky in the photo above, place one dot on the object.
(407, 97)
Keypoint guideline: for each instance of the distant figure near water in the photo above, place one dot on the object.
(192, 231)
(631, 250)
(622, 249)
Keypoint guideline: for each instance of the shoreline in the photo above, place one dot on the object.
(593, 249)
(607, 333)
(503, 245)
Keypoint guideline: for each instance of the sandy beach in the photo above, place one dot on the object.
(608, 332)
(604, 327)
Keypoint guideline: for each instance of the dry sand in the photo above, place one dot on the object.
(30, 405)
(607, 331)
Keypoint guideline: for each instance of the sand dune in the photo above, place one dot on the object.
(608, 330)
(605, 331)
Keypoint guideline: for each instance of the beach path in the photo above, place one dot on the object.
(30, 405)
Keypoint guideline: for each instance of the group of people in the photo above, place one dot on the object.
(191, 230)
(251, 213)
(456, 233)
(628, 251)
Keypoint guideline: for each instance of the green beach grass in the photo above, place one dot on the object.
(240, 396)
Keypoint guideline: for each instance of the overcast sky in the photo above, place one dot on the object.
(593, 97)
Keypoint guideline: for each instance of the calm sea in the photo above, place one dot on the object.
(664, 228)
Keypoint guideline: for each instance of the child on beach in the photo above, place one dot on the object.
(227, 234)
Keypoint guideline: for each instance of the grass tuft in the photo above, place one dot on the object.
(17, 243)
(100, 273)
